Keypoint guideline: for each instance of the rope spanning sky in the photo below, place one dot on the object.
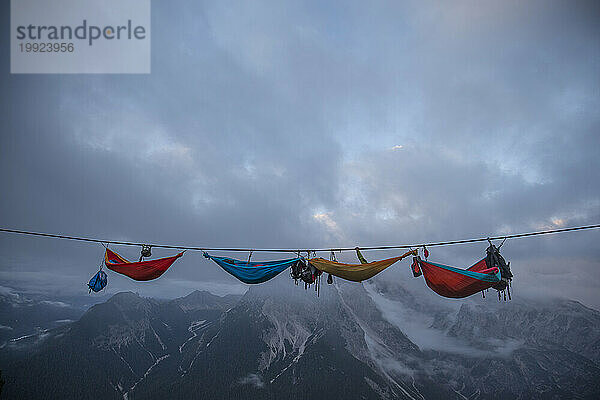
(297, 250)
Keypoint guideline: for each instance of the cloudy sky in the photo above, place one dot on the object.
(315, 124)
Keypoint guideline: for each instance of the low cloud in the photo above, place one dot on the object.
(55, 303)
(8, 292)
(417, 326)
(252, 379)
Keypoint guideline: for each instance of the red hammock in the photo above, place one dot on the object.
(140, 271)
(456, 283)
(489, 272)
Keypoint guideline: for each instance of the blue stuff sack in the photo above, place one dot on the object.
(98, 282)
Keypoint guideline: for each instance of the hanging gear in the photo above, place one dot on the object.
(301, 269)
(146, 251)
(305, 271)
(98, 281)
(297, 269)
(416, 270)
(495, 260)
(332, 258)
(310, 274)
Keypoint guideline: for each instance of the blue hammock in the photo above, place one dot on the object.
(98, 281)
(252, 272)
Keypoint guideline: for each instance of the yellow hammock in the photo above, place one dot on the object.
(355, 272)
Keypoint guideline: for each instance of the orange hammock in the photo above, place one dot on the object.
(356, 272)
(140, 271)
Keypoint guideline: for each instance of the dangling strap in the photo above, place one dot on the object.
(360, 256)
(504, 240)
(318, 285)
(100, 269)
(329, 276)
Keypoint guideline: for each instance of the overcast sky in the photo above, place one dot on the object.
(315, 124)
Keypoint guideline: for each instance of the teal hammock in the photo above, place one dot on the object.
(252, 272)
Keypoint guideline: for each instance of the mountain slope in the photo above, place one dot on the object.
(110, 350)
(371, 341)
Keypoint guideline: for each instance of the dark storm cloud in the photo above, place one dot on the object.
(271, 124)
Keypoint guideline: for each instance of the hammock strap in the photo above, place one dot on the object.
(502, 243)
(360, 256)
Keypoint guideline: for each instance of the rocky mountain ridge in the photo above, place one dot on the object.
(371, 340)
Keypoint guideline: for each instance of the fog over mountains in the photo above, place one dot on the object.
(355, 341)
